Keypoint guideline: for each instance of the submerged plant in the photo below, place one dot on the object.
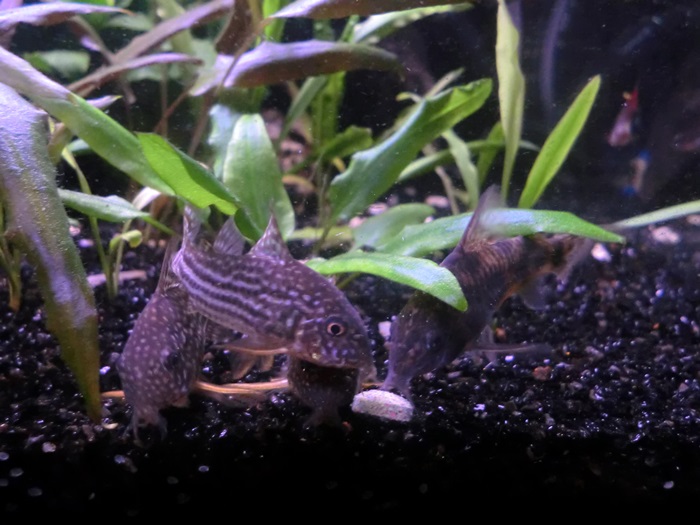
(228, 161)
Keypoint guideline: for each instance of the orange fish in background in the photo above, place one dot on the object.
(621, 133)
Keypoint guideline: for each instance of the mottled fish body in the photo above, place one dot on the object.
(428, 334)
(163, 353)
(275, 301)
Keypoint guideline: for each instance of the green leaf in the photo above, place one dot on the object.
(187, 177)
(376, 27)
(67, 63)
(38, 225)
(420, 274)
(511, 89)
(112, 208)
(510, 222)
(323, 9)
(378, 230)
(351, 140)
(558, 144)
(105, 136)
(488, 155)
(445, 233)
(372, 172)
(664, 214)
(253, 176)
(462, 156)
(424, 239)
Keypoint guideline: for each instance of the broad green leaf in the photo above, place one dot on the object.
(372, 172)
(112, 208)
(105, 136)
(36, 223)
(380, 229)
(511, 90)
(445, 233)
(222, 118)
(419, 240)
(510, 222)
(252, 174)
(322, 9)
(558, 144)
(420, 274)
(661, 215)
(187, 177)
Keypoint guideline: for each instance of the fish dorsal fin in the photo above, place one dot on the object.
(167, 276)
(271, 244)
(229, 240)
(489, 200)
(191, 225)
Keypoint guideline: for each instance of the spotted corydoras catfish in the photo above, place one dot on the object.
(428, 334)
(276, 302)
(161, 358)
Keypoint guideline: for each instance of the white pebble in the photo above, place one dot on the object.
(383, 404)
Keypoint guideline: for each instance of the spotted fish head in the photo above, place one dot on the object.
(334, 337)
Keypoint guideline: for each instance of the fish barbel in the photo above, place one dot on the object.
(428, 333)
(276, 302)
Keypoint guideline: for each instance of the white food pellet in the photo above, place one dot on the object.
(383, 404)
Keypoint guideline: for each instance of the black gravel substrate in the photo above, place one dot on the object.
(610, 417)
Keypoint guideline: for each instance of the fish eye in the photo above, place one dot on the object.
(335, 326)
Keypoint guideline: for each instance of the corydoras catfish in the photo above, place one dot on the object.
(161, 358)
(428, 333)
(276, 302)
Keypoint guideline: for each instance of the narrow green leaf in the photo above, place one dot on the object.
(310, 88)
(420, 274)
(322, 9)
(105, 136)
(379, 26)
(511, 89)
(65, 62)
(558, 144)
(372, 172)
(38, 225)
(661, 215)
(351, 140)
(112, 208)
(462, 156)
(253, 176)
(488, 155)
(378, 230)
(187, 177)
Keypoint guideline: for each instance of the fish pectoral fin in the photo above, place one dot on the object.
(487, 348)
(531, 294)
(491, 351)
(243, 361)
